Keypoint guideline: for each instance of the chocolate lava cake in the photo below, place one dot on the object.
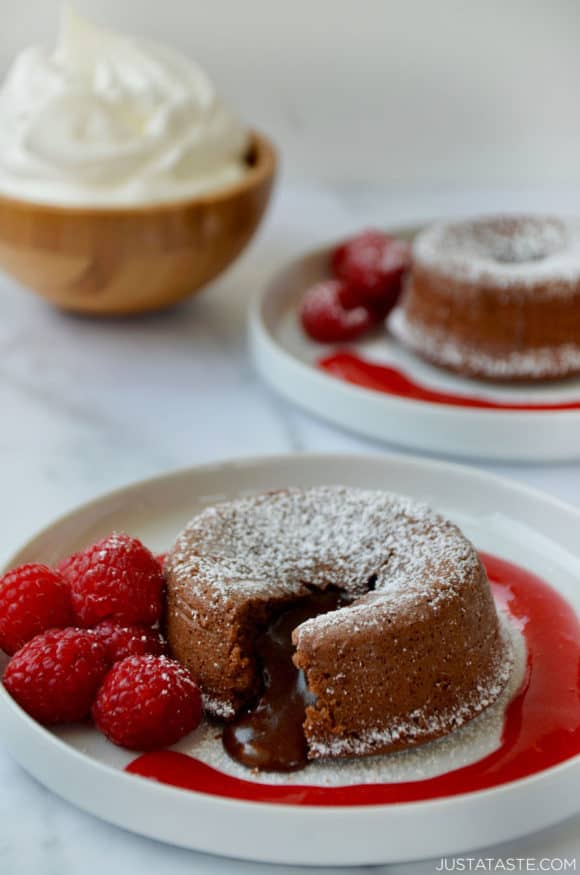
(413, 650)
(495, 298)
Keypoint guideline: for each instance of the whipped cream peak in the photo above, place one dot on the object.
(106, 119)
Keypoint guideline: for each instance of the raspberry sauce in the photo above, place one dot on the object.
(391, 381)
(541, 727)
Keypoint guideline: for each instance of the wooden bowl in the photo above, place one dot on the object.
(122, 260)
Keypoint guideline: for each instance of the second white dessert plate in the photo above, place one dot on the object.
(510, 521)
(514, 431)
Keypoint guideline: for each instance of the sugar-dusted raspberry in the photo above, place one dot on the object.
(55, 677)
(372, 265)
(33, 598)
(118, 579)
(147, 702)
(325, 318)
(122, 641)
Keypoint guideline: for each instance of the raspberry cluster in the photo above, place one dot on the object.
(368, 272)
(84, 641)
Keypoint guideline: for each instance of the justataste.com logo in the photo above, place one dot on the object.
(506, 864)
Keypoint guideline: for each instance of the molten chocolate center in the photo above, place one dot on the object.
(269, 735)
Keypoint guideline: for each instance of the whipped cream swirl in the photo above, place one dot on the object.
(111, 120)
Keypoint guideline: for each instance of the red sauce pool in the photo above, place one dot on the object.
(541, 728)
(383, 378)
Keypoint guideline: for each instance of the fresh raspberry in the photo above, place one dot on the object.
(122, 641)
(55, 677)
(147, 702)
(160, 558)
(32, 599)
(372, 265)
(115, 579)
(325, 318)
(378, 309)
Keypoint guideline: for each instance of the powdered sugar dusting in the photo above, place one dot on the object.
(292, 540)
(469, 743)
(537, 364)
(422, 723)
(388, 553)
(217, 707)
(505, 252)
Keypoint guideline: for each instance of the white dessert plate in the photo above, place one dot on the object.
(287, 360)
(80, 765)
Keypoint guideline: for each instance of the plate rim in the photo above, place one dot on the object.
(248, 461)
(317, 814)
(178, 473)
(260, 333)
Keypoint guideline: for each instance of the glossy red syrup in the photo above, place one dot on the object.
(383, 378)
(541, 729)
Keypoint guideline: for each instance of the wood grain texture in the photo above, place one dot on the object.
(123, 260)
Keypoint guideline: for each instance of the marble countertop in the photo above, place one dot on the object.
(91, 405)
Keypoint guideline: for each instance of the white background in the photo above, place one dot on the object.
(421, 93)
(385, 113)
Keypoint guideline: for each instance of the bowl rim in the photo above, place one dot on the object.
(263, 168)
